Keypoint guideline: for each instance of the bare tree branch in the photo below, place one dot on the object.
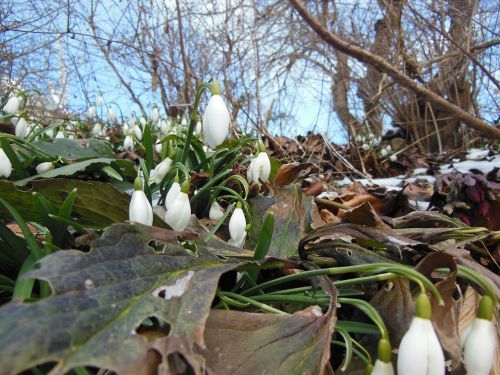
(381, 64)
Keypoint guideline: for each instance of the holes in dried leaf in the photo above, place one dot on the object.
(153, 328)
(179, 365)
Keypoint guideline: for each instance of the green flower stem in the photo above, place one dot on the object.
(397, 269)
(348, 346)
(361, 353)
(286, 298)
(253, 302)
(467, 274)
(370, 311)
(194, 120)
(366, 279)
(209, 185)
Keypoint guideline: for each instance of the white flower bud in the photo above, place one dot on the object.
(155, 115)
(237, 227)
(138, 132)
(161, 171)
(216, 121)
(5, 164)
(178, 212)
(216, 212)
(111, 115)
(99, 101)
(44, 167)
(420, 352)
(480, 347)
(259, 168)
(140, 210)
(12, 105)
(21, 128)
(128, 143)
(91, 112)
(175, 189)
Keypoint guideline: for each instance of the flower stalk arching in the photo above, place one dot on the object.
(396, 269)
(193, 120)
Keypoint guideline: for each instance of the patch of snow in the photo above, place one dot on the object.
(485, 166)
(477, 154)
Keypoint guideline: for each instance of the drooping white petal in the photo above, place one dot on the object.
(175, 189)
(264, 166)
(111, 115)
(44, 167)
(237, 224)
(138, 132)
(5, 164)
(97, 130)
(480, 347)
(12, 105)
(161, 170)
(21, 128)
(415, 357)
(179, 212)
(140, 210)
(60, 134)
(91, 112)
(99, 101)
(215, 212)
(238, 242)
(158, 147)
(216, 121)
(382, 368)
(128, 143)
(250, 171)
(155, 115)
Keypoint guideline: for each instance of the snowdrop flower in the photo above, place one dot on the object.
(260, 168)
(138, 132)
(155, 115)
(388, 148)
(111, 115)
(97, 130)
(165, 127)
(420, 352)
(184, 122)
(237, 227)
(91, 112)
(158, 147)
(128, 143)
(143, 121)
(59, 134)
(479, 343)
(21, 128)
(215, 119)
(133, 120)
(383, 152)
(5, 164)
(198, 128)
(216, 212)
(140, 210)
(99, 101)
(359, 138)
(383, 365)
(175, 189)
(44, 167)
(365, 147)
(393, 157)
(12, 105)
(179, 209)
(161, 171)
